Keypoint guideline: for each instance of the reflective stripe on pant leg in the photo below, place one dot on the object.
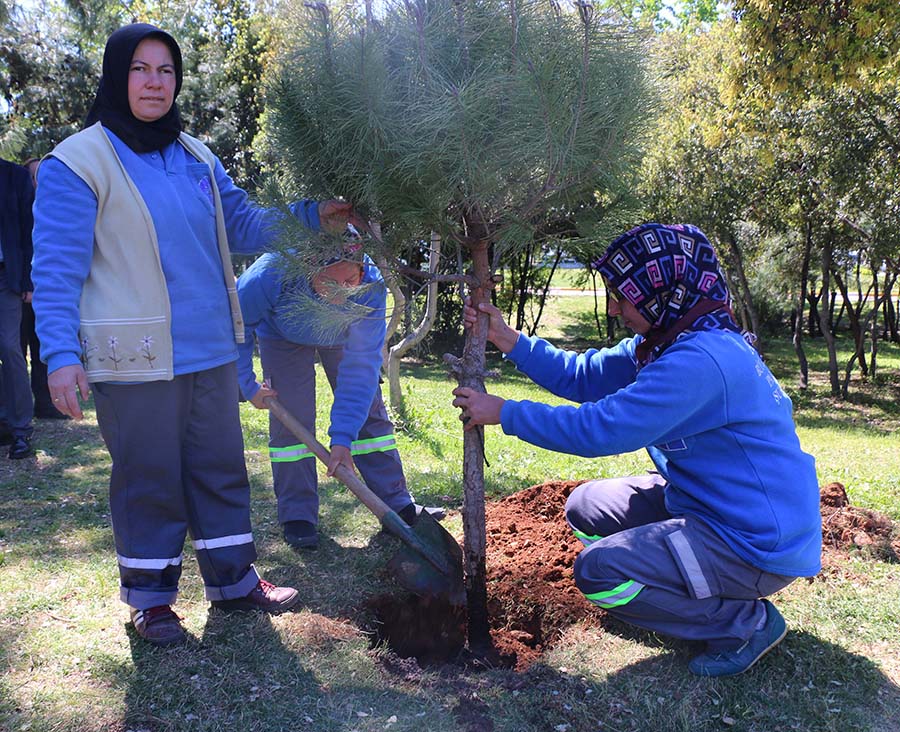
(620, 595)
(585, 539)
(162, 572)
(373, 444)
(139, 563)
(290, 454)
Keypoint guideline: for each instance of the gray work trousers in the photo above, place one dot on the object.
(290, 370)
(178, 465)
(673, 575)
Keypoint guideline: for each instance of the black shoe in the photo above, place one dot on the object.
(301, 534)
(20, 448)
(411, 513)
(50, 412)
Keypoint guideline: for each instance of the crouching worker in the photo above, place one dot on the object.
(338, 314)
(134, 293)
(732, 513)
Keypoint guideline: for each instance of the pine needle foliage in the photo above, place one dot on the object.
(486, 121)
(442, 113)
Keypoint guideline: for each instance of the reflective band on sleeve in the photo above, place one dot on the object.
(135, 563)
(233, 540)
(289, 454)
(620, 595)
(585, 539)
(678, 541)
(373, 444)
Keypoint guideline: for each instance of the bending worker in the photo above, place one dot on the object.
(338, 314)
(731, 514)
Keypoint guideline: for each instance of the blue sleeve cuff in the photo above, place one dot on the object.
(58, 360)
(307, 213)
(342, 440)
(521, 351)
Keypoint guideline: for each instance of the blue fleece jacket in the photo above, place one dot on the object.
(173, 186)
(269, 305)
(715, 422)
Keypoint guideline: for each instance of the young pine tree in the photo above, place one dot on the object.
(488, 122)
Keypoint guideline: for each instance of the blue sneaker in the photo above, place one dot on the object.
(731, 663)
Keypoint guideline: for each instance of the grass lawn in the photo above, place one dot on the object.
(69, 661)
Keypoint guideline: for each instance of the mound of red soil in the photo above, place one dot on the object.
(847, 529)
(530, 554)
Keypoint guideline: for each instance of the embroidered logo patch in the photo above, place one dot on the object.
(206, 188)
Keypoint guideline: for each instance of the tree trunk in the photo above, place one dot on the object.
(545, 291)
(737, 262)
(469, 371)
(412, 338)
(856, 329)
(873, 353)
(393, 285)
(892, 332)
(814, 321)
(519, 270)
(833, 377)
(797, 319)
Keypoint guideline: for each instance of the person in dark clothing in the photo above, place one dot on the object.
(16, 198)
(31, 345)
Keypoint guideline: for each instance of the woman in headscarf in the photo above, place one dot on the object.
(731, 514)
(134, 293)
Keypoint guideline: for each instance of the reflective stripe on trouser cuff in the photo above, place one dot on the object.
(585, 539)
(241, 588)
(222, 541)
(373, 444)
(139, 563)
(620, 595)
(144, 598)
(289, 454)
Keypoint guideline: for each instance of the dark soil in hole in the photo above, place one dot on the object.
(532, 596)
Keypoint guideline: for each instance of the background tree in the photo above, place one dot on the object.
(50, 64)
(483, 121)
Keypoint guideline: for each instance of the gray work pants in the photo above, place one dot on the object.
(290, 370)
(177, 466)
(673, 575)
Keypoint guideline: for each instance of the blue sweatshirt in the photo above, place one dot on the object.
(715, 422)
(175, 188)
(269, 305)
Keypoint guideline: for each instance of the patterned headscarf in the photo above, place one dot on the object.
(671, 275)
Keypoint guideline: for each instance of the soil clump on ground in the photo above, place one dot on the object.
(848, 530)
(532, 597)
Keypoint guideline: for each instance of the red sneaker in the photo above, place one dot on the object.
(158, 625)
(265, 596)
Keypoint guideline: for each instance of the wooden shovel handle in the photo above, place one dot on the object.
(343, 473)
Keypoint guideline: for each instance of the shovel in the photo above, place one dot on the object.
(431, 562)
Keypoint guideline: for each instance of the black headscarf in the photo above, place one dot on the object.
(111, 106)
